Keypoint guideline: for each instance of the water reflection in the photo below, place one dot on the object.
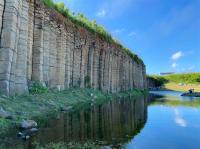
(117, 121)
(173, 99)
(173, 123)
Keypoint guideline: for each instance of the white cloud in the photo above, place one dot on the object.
(101, 13)
(116, 8)
(117, 31)
(191, 67)
(174, 65)
(179, 120)
(177, 55)
(132, 33)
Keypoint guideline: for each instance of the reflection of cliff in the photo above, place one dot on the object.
(116, 121)
(38, 44)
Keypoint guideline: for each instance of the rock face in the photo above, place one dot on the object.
(28, 124)
(39, 44)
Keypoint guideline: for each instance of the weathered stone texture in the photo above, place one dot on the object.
(38, 44)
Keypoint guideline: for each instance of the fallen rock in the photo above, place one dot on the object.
(4, 114)
(28, 124)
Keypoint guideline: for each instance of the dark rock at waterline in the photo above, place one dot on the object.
(65, 109)
(194, 94)
(20, 134)
(25, 138)
(106, 147)
(20, 113)
(26, 134)
(28, 124)
(4, 114)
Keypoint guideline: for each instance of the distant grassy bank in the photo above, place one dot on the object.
(42, 104)
(179, 82)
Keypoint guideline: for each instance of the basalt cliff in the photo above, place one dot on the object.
(39, 44)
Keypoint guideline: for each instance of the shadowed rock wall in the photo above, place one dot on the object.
(39, 44)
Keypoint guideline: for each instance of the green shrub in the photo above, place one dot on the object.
(158, 80)
(38, 88)
(87, 81)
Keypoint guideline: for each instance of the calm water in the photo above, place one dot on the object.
(167, 121)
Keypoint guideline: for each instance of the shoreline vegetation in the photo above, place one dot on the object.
(81, 20)
(178, 82)
(43, 104)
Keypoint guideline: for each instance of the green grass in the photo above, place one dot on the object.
(41, 107)
(188, 78)
(184, 88)
(171, 82)
(91, 26)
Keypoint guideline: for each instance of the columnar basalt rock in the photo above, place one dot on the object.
(39, 44)
(1, 13)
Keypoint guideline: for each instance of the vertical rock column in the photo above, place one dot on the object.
(144, 76)
(37, 70)
(96, 68)
(106, 71)
(90, 63)
(113, 72)
(9, 37)
(101, 68)
(130, 74)
(69, 39)
(1, 14)
(46, 50)
(76, 66)
(110, 70)
(61, 46)
(30, 39)
(52, 57)
(21, 62)
(83, 66)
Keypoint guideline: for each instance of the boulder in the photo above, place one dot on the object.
(28, 124)
(4, 114)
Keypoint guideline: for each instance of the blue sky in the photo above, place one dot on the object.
(164, 33)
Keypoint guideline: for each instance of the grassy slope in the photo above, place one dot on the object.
(176, 87)
(39, 106)
(190, 81)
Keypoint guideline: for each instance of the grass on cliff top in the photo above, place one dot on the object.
(41, 106)
(91, 26)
